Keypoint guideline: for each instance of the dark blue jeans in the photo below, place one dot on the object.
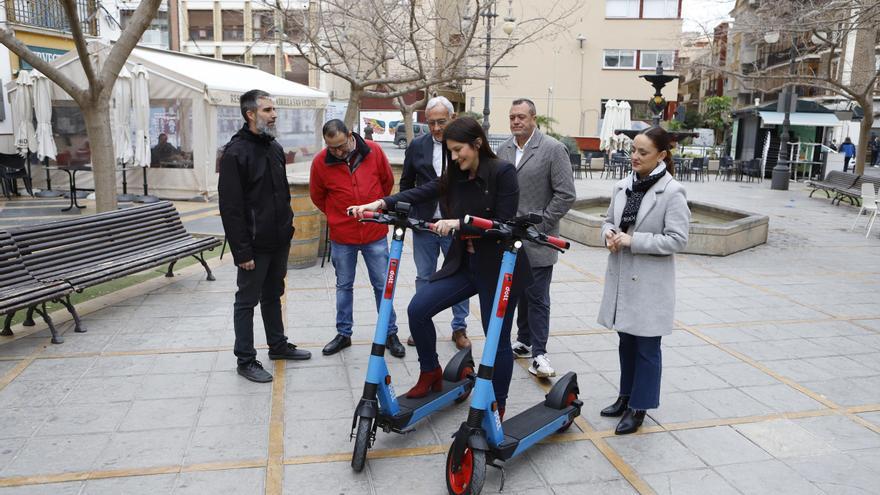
(426, 249)
(264, 285)
(344, 258)
(533, 311)
(640, 368)
(438, 295)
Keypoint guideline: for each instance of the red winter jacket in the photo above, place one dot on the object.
(334, 187)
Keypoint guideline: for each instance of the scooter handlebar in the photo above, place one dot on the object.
(371, 214)
(480, 223)
(558, 242)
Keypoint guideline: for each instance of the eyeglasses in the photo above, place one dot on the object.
(438, 123)
(340, 147)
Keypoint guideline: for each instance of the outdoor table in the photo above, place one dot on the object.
(71, 171)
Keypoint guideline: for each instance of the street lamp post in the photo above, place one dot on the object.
(489, 13)
(781, 172)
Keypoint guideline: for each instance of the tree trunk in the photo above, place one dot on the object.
(408, 124)
(352, 114)
(864, 137)
(97, 121)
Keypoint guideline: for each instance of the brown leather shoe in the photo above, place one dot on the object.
(460, 339)
(410, 342)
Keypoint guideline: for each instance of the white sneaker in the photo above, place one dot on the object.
(541, 367)
(521, 350)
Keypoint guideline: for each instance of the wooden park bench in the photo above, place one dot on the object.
(853, 194)
(20, 290)
(87, 251)
(835, 181)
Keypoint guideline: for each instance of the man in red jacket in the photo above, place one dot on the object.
(352, 171)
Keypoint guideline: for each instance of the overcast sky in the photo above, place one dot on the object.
(706, 13)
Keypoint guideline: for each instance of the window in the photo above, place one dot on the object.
(233, 25)
(264, 24)
(265, 63)
(622, 8)
(642, 9)
(201, 25)
(649, 59)
(156, 34)
(660, 9)
(619, 59)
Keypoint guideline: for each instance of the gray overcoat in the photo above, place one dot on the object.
(546, 186)
(639, 297)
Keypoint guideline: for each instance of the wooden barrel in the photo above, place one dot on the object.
(309, 222)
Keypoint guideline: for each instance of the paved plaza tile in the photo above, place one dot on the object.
(771, 381)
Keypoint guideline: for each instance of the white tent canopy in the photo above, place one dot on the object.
(194, 104)
(801, 118)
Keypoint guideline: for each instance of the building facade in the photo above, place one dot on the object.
(571, 74)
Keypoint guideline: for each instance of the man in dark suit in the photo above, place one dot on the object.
(546, 187)
(423, 163)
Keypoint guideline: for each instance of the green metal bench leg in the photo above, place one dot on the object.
(201, 259)
(7, 325)
(29, 317)
(77, 322)
(170, 272)
(56, 337)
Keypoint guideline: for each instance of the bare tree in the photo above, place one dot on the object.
(835, 45)
(390, 48)
(94, 99)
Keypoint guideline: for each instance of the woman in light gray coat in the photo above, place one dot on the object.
(646, 224)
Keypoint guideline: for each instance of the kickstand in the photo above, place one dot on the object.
(500, 468)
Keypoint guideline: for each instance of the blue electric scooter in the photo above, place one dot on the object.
(378, 407)
(483, 438)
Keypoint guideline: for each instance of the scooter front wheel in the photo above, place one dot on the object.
(361, 444)
(469, 478)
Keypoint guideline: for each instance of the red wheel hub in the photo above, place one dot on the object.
(460, 480)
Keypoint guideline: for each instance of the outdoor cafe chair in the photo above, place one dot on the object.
(873, 217)
(12, 168)
(869, 205)
(725, 168)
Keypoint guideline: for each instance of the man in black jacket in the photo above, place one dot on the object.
(258, 222)
(422, 163)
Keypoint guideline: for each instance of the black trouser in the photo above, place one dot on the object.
(533, 311)
(437, 295)
(641, 364)
(846, 160)
(265, 285)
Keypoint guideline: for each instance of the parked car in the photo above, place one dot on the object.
(400, 133)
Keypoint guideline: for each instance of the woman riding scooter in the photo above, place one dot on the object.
(475, 183)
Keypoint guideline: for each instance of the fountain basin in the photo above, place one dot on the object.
(714, 231)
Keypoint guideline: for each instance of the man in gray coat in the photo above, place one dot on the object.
(547, 188)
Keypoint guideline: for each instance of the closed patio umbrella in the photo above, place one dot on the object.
(121, 117)
(624, 121)
(43, 111)
(606, 133)
(25, 134)
(46, 150)
(140, 98)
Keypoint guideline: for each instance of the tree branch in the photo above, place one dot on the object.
(129, 38)
(78, 94)
(82, 49)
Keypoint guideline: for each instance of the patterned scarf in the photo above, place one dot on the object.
(634, 198)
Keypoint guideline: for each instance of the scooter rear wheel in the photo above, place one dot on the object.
(361, 444)
(570, 397)
(469, 479)
(467, 370)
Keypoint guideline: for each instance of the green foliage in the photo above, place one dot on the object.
(545, 123)
(693, 119)
(673, 125)
(717, 115)
(474, 115)
(571, 144)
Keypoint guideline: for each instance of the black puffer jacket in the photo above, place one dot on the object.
(254, 195)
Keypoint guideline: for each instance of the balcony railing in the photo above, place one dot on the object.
(49, 14)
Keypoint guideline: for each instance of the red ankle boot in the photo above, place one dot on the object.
(428, 381)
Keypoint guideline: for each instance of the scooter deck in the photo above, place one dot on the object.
(413, 410)
(528, 423)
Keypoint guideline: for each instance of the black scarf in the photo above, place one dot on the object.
(634, 198)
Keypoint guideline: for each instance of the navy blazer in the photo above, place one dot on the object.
(494, 194)
(418, 170)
